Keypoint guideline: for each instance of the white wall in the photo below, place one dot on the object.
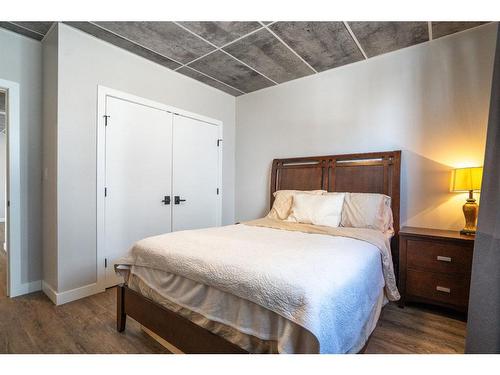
(49, 158)
(430, 100)
(85, 62)
(21, 62)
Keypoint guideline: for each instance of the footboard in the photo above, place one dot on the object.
(177, 330)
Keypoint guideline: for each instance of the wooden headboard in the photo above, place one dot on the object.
(374, 172)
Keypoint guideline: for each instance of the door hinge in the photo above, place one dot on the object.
(217, 191)
(106, 120)
(219, 141)
(105, 262)
(105, 191)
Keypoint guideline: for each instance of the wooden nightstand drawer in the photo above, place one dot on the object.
(438, 256)
(435, 267)
(439, 287)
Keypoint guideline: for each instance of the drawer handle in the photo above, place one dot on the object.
(443, 259)
(443, 289)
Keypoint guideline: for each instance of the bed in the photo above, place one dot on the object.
(268, 286)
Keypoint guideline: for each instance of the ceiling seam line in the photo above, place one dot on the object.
(187, 65)
(25, 28)
(199, 58)
(241, 37)
(215, 79)
(355, 39)
(429, 26)
(217, 48)
(224, 45)
(137, 44)
(193, 33)
(227, 53)
(290, 48)
(248, 66)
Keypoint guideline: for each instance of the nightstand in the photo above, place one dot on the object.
(435, 267)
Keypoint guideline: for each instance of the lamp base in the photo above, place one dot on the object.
(470, 209)
(468, 232)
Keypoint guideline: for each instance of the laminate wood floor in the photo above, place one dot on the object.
(32, 324)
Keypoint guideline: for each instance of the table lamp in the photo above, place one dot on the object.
(468, 180)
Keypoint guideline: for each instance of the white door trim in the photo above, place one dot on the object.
(102, 93)
(15, 285)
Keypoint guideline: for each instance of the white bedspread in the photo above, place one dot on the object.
(327, 284)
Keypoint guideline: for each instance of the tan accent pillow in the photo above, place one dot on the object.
(314, 209)
(283, 202)
(367, 210)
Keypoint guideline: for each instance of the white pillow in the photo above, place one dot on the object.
(317, 209)
(283, 202)
(367, 210)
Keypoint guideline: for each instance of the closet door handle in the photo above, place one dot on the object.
(166, 200)
(178, 200)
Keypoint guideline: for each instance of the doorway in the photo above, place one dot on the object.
(10, 192)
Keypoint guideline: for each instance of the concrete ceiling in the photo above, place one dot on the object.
(241, 57)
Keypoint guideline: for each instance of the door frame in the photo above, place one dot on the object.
(103, 93)
(15, 285)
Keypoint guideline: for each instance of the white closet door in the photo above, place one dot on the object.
(138, 177)
(195, 174)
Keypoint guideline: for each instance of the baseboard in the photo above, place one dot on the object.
(60, 298)
(25, 288)
(49, 292)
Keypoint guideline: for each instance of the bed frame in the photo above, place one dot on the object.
(376, 172)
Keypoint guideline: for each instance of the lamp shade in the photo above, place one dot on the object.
(467, 179)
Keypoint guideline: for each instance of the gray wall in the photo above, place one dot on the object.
(49, 159)
(21, 62)
(483, 328)
(429, 100)
(85, 62)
